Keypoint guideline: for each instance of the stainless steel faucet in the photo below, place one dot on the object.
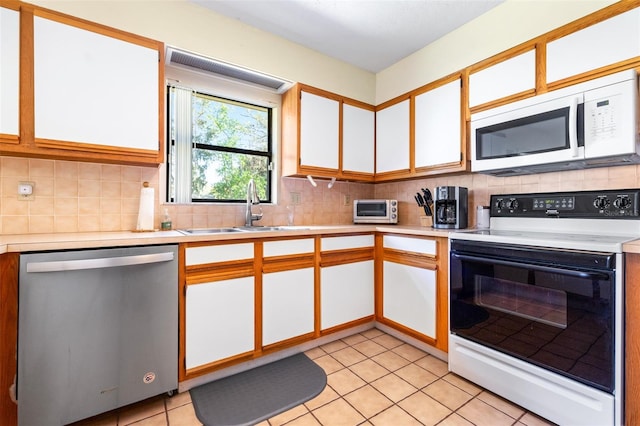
(252, 199)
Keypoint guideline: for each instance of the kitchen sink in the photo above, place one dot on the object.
(201, 231)
(204, 231)
(270, 228)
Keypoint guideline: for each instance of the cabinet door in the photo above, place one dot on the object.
(392, 138)
(509, 77)
(219, 320)
(437, 126)
(109, 88)
(358, 139)
(9, 73)
(287, 304)
(319, 134)
(346, 293)
(605, 43)
(409, 297)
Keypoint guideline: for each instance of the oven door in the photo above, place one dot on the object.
(549, 307)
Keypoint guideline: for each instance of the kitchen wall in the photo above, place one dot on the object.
(84, 197)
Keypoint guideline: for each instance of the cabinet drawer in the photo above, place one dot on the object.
(416, 245)
(221, 253)
(288, 247)
(343, 243)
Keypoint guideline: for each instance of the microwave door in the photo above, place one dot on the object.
(531, 135)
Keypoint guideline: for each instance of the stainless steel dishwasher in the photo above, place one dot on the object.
(97, 330)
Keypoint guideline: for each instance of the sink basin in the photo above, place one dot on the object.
(269, 228)
(200, 231)
(204, 231)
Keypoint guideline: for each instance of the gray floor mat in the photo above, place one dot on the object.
(255, 395)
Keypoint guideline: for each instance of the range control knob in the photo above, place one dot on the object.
(512, 204)
(622, 202)
(601, 202)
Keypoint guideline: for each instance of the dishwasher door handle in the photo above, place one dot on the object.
(105, 262)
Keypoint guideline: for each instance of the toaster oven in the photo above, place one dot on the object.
(375, 211)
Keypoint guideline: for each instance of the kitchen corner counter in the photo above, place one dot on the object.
(632, 247)
(61, 241)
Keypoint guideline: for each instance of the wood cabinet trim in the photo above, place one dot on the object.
(9, 264)
(11, 4)
(418, 260)
(344, 257)
(632, 334)
(220, 273)
(287, 263)
(28, 146)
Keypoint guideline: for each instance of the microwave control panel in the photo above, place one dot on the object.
(602, 118)
(610, 204)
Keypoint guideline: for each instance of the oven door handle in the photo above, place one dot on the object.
(550, 269)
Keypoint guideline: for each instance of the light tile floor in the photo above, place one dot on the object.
(372, 379)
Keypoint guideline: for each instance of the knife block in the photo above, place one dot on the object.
(426, 220)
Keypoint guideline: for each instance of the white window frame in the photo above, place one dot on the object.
(238, 91)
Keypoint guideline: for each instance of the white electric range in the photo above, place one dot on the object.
(537, 302)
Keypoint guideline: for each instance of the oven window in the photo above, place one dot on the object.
(372, 209)
(545, 305)
(555, 315)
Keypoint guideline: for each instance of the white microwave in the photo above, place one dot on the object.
(375, 211)
(587, 125)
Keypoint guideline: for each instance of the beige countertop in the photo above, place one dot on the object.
(632, 247)
(64, 241)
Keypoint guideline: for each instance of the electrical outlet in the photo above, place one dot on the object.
(346, 199)
(25, 191)
(295, 198)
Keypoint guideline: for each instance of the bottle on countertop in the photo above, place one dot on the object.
(165, 225)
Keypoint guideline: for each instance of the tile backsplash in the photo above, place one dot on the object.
(87, 197)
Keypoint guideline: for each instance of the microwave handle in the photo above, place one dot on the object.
(573, 126)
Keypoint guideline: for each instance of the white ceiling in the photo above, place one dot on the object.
(370, 34)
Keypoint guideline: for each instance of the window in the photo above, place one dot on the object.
(216, 146)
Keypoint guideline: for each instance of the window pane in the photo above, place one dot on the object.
(230, 124)
(224, 175)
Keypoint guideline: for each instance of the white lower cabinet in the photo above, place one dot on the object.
(287, 304)
(409, 297)
(220, 320)
(346, 293)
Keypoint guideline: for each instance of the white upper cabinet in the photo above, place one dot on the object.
(319, 131)
(392, 138)
(109, 88)
(9, 71)
(358, 139)
(503, 79)
(437, 125)
(613, 40)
